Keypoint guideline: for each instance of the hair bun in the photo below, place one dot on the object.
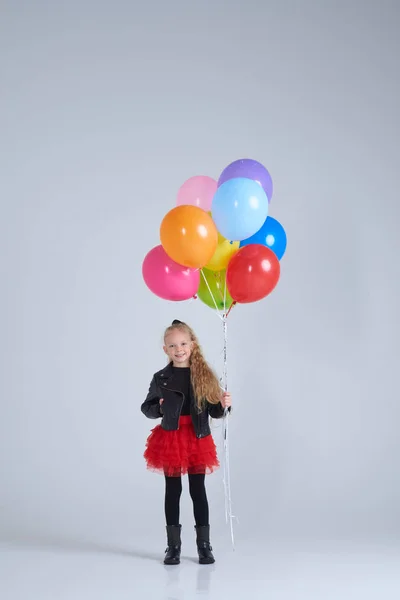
(177, 322)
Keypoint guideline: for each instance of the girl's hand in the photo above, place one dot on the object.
(161, 401)
(226, 400)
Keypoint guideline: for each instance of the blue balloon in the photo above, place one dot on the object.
(239, 208)
(271, 235)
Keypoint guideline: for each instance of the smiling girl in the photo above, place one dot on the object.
(184, 395)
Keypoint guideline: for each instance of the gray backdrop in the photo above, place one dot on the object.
(106, 108)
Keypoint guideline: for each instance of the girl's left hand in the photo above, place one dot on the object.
(226, 400)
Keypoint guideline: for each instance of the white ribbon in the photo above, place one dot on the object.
(225, 432)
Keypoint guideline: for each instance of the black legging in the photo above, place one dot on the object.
(173, 491)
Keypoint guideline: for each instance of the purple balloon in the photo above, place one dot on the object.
(251, 169)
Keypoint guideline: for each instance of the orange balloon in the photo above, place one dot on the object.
(189, 236)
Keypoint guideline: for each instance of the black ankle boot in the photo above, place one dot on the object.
(173, 552)
(203, 545)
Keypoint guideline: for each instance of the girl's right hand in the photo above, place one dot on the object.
(161, 401)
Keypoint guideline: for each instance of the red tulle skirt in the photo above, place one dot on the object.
(176, 453)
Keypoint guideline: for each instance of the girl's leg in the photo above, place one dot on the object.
(200, 509)
(173, 491)
(199, 496)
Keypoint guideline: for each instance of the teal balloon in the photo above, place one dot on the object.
(272, 235)
(239, 208)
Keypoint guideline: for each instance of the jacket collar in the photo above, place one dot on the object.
(167, 375)
(167, 371)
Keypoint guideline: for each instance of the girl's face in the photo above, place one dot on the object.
(178, 347)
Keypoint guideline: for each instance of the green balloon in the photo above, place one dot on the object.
(216, 282)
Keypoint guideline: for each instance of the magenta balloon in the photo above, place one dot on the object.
(168, 280)
(197, 191)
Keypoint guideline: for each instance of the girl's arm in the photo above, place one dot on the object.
(151, 406)
(216, 411)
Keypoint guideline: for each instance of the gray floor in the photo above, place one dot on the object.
(54, 569)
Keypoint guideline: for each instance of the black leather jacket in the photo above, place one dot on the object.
(162, 386)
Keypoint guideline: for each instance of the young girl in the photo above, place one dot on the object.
(184, 394)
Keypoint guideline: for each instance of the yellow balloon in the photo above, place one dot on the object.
(223, 254)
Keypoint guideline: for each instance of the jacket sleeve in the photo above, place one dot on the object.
(216, 411)
(151, 406)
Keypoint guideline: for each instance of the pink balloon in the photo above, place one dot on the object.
(197, 191)
(168, 280)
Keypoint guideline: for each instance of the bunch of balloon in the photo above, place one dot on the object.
(219, 243)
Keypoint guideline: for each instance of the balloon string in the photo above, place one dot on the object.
(225, 431)
(218, 280)
(225, 369)
(225, 295)
(211, 294)
(227, 477)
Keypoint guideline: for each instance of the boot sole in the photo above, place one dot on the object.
(206, 561)
(172, 561)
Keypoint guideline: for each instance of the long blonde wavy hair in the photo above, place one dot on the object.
(205, 383)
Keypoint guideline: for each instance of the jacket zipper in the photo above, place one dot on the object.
(183, 399)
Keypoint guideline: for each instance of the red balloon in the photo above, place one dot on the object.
(252, 273)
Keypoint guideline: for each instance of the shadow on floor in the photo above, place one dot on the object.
(60, 543)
